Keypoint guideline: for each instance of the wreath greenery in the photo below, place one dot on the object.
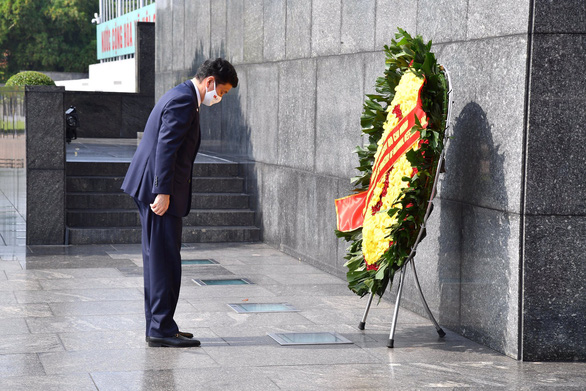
(403, 54)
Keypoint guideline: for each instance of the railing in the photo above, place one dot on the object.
(111, 9)
(12, 167)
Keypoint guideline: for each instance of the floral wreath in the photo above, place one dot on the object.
(405, 124)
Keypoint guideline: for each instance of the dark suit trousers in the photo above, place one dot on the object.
(161, 246)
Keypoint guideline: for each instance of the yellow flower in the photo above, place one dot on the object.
(375, 229)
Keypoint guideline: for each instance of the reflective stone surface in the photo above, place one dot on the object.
(91, 336)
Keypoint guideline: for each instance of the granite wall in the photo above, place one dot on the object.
(45, 165)
(554, 271)
(304, 67)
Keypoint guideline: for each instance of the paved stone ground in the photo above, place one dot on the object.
(71, 318)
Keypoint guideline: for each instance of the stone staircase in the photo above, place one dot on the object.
(99, 213)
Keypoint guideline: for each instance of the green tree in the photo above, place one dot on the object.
(47, 35)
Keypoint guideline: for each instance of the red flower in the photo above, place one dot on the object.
(397, 111)
(372, 267)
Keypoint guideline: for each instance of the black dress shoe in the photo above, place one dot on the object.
(177, 341)
(181, 333)
(184, 334)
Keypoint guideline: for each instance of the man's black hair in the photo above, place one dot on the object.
(220, 69)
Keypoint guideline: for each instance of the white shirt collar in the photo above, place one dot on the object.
(197, 92)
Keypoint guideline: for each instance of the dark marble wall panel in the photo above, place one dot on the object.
(45, 129)
(45, 208)
(559, 16)
(554, 272)
(554, 301)
(145, 58)
(45, 165)
(135, 113)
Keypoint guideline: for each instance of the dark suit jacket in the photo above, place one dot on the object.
(163, 162)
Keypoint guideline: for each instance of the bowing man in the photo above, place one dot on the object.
(159, 180)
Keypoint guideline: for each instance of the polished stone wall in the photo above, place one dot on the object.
(45, 165)
(554, 271)
(304, 67)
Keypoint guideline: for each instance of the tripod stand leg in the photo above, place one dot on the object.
(363, 323)
(391, 342)
(431, 317)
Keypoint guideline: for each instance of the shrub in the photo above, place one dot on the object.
(29, 78)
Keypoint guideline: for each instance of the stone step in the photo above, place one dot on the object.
(88, 200)
(132, 235)
(119, 169)
(106, 184)
(78, 218)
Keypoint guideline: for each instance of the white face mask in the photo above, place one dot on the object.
(211, 97)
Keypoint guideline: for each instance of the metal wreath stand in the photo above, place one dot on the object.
(410, 260)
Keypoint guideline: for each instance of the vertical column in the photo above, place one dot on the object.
(145, 58)
(554, 271)
(45, 164)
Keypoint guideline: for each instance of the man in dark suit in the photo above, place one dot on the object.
(159, 180)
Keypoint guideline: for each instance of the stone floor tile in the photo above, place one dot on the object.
(108, 307)
(74, 262)
(310, 278)
(77, 382)
(314, 290)
(29, 343)
(62, 296)
(20, 365)
(13, 326)
(125, 360)
(92, 283)
(133, 339)
(218, 379)
(10, 265)
(19, 285)
(102, 331)
(24, 311)
(7, 297)
(58, 274)
(270, 270)
(260, 356)
(233, 319)
(214, 292)
(382, 316)
(85, 323)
